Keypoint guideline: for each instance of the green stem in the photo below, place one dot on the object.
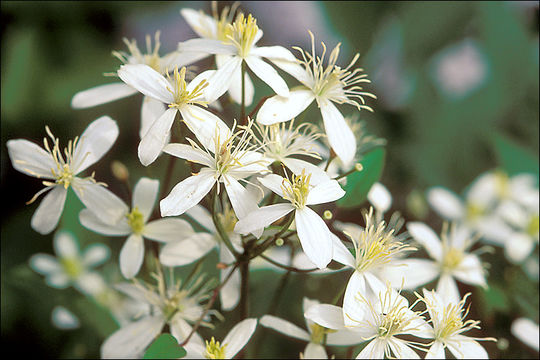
(243, 119)
(244, 289)
(219, 227)
(285, 267)
(268, 242)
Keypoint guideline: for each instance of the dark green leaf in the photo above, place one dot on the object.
(164, 347)
(513, 158)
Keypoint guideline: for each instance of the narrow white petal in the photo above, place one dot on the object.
(181, 329)
(427, 238)
(95, 254)
(380, 197)
(65, 245)
(91, 284)
(132, 256)
(436, 351)
(145, 195)
(151, 110)
(373, 350)
(44, 264)
(186, 251)
(341, 253)
(198, 21)
(483, 191)
(273, 182)
(318, 175)
(156, 137)
(284, 327)
(446, 203)
(58, 280)
(167, 230)
(401, 350)
(353, 311)
(203, 217)
(108, 207)
(238, 337)
(147, 81)
(179, 59)
(340, 135)
(92, 222)
(315, 351)
(30, 159)
(189, 153)
(94, 142)
(279, 108)
(222, 78)
(268, 74)
(242, 200)
(187, 194)
(48, 213)
(448, 290)
(204, 125)
(411, 273)
(325, 192)
(101, 94)
(527, 331)
(262, 218)
(344, 337)
(235, 88)
(314, 236)
(274, 53)
(518, 246)
(207, 46)
(470, 271)
(229, 295)
(64, 319)
(131, 340)
(329, 316)
(463, 347)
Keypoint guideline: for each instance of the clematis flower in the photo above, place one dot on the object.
(235, 340)
(317, 336)
(314, 235)
(71, 267)
(448, 320)
(526, 331)
(326, 86)
(179, 96)
(136, 226)
(60, 173)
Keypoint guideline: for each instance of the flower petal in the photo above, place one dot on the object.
(156, 137)
(235, 88)
(101, 94)
(267, 74)
(340, 135)
(436, 351)
(284, 327)
(327, 315)
(151, 110)
(401, 350)
(344, 337)
(168, 230)
(145, 195)
(448, 290)
(470, 271)
(92, 222)
(48, 213)
(410, 273)
(181, 329)
(95, 254)
(446, 203)
(238, 337)
(318, 175)
(325, 192)
(242, 200)
(314, 236)
(64, 319)
(427, 238)
(147, 81)
(44, 264)
(186, 251)
(187, 194)
(527, 331)
(189, 153)
(518, 246)
(280, 109)
(220, 81)
(202, 24)
(229, 295)
(207, 46)
(30, 159)
(132, 256)
(380, 197)
(373, 350)
(314, 351)
(273, 182)
(107, 207)
(204, 125)
(261, 218)
(353, 311)
(341, 253)
(58, 280)
(463, 347)
(203, 217)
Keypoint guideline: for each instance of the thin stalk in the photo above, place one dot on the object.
(219, 227)
(243, 119)
(268, 242)
(244, 290)
(285, 267)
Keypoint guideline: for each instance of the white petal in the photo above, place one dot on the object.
(242, 200)
(463, 347)
(436, 351)
(145, 195)
(91, 284)
(344, 337)
(58, 280)
(179, 59)
(329, 316)
(222, 78)
(262, 218)
(151, 110)
(48, 213)
(94, 142)
(44, 264)
(284, 327)
(470, 271)
(30, 159)
(279, 108)
(167, 230)
(130, 341)
(108, 207)
(527, 331)
(199, 22)
(95, 254)
(186, 251)
(235, 88)
(64, 319)
(238, 337)
(229, 295)
(146, 80)
(208, 46)
(483, 191)
(318, 175)
(273, 53)
(380, 197)
(518, 246)
(189, 153)
(101, 94)
(203, 217)
(65, 245)
(447, 289)
(401, 350)
(92, 222)
(325, 192)
(156, 137)
(411, 273)
(132, 256)
(446, 203)
(181, 329)
(273, 182)
(204, 125)
(187, 194)
(340, 135)
(353, 310)
(341, 253)
(427, 238)
(314, 236)
(373, 350)
(315, 351)
(267, 74)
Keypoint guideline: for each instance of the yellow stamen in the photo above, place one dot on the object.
(297, 190)
(214, 350)
(242, 33)
(181, 95)
(136, 220)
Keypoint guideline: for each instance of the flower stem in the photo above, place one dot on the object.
(219, 227)
(244, 289)
(243, 119)
(268, 242)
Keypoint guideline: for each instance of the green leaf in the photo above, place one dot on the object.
(164, 347)
(359, 182)
(513, 158)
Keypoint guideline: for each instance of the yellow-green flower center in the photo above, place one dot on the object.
(297, 190)
(228, 219)
(451, 259)
(318, 333)
(501, 184)
(214, 350)
(533, 226)
(474, 211)
(65, 177)
(242, 33)
(72, 267)
(174, 305)
(136, 220)
(390, 325)
(181, 95)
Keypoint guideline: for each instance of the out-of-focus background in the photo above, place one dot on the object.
(457, 88)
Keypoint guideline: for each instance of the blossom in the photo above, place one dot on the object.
(448, 320)
(60, 173)
(314, 235)
(527, 331)
(136, 226)
(188, 99)
(317, 336)
(327, 86)
(71, 267)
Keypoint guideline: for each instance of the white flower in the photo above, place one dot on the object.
(380, 198)
(136, 226)
(230, 159)
(527, 331)
(235, 340)
(317, 336)
(60, 173)
(64, 319)
(189, 249)
(448, 320)
(168, 303)
(179, 97)
(314, 235)
(71, 267)
(236, 44)
(326, 86)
